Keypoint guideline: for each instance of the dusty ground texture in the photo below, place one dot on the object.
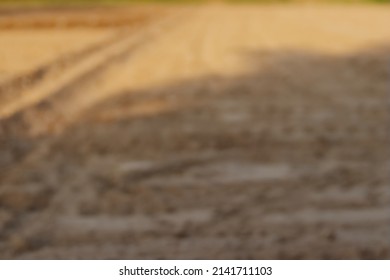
(217, 132)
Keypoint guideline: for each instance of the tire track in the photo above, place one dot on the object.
(17, 87)
(68, 74)
(48, 106)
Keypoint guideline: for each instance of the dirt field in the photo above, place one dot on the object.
(213, 132)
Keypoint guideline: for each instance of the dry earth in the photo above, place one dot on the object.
(216, 132)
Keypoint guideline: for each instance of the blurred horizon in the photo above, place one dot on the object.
(124, 2)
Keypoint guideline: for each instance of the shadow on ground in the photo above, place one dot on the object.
(289, 159)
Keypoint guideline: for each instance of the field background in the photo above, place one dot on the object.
(200, 131)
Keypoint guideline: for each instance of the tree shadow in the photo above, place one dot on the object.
(289, 159)
(288, 97)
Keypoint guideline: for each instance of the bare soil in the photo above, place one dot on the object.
(213, 132)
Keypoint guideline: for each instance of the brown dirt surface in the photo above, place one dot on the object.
(210, 132)
(65, 18)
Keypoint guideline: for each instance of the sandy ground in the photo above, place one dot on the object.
(219, 132)
(16, 58)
